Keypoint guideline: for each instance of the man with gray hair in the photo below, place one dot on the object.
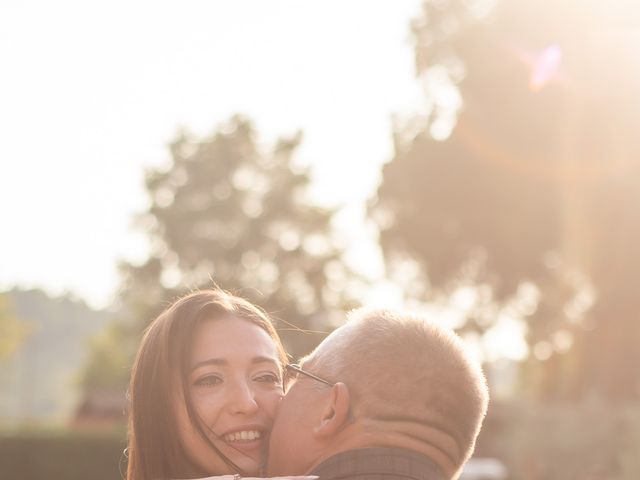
(389, 395)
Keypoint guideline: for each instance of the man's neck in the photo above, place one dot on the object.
(359, 436)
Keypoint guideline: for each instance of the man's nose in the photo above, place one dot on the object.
(242, 398)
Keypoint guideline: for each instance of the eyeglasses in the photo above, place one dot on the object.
(292, 371)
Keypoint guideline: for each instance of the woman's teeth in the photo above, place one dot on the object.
(246, 436)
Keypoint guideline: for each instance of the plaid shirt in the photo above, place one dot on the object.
(378, 464)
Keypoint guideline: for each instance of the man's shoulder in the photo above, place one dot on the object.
(391, 463)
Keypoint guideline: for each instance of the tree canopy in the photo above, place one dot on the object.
(537, 182)
(227, 211)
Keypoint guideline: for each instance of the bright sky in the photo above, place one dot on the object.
(91, 93)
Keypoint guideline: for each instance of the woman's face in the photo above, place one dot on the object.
(235, 385)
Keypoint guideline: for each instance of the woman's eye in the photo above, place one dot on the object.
(268, 378)
(208, 381)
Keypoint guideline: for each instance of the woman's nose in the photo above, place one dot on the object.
(242, 399)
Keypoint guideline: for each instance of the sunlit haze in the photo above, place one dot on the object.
(471, 163)
(91, 93)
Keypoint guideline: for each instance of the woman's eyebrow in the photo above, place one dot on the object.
(222, 362)
(210, 361)
(264, 359)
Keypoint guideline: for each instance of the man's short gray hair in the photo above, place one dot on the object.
(402, 366)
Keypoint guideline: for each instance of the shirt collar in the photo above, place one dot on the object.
(380, 461)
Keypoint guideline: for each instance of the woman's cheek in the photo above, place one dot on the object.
(270, 402)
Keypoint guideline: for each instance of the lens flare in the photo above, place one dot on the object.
(545, 65)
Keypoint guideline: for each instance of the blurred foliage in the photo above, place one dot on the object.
(523, 177)
(538, 441)
(225, 211)
(65, 455)
(13, 331)
(49, 338)
(108, 365)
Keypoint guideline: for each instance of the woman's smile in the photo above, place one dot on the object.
(235, 386)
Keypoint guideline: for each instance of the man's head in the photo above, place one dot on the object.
(397, 380)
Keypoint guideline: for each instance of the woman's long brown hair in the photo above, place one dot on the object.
(159, 371)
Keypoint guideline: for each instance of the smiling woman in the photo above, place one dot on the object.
(204, 390)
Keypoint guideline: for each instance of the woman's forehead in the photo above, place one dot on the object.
(230, 338)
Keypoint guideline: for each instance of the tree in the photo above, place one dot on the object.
(536, 184)
(224, 211)
(13, 331)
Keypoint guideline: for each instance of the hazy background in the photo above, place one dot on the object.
(92, 93)
(477, 160)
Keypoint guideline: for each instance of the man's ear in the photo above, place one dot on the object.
(335, 413)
